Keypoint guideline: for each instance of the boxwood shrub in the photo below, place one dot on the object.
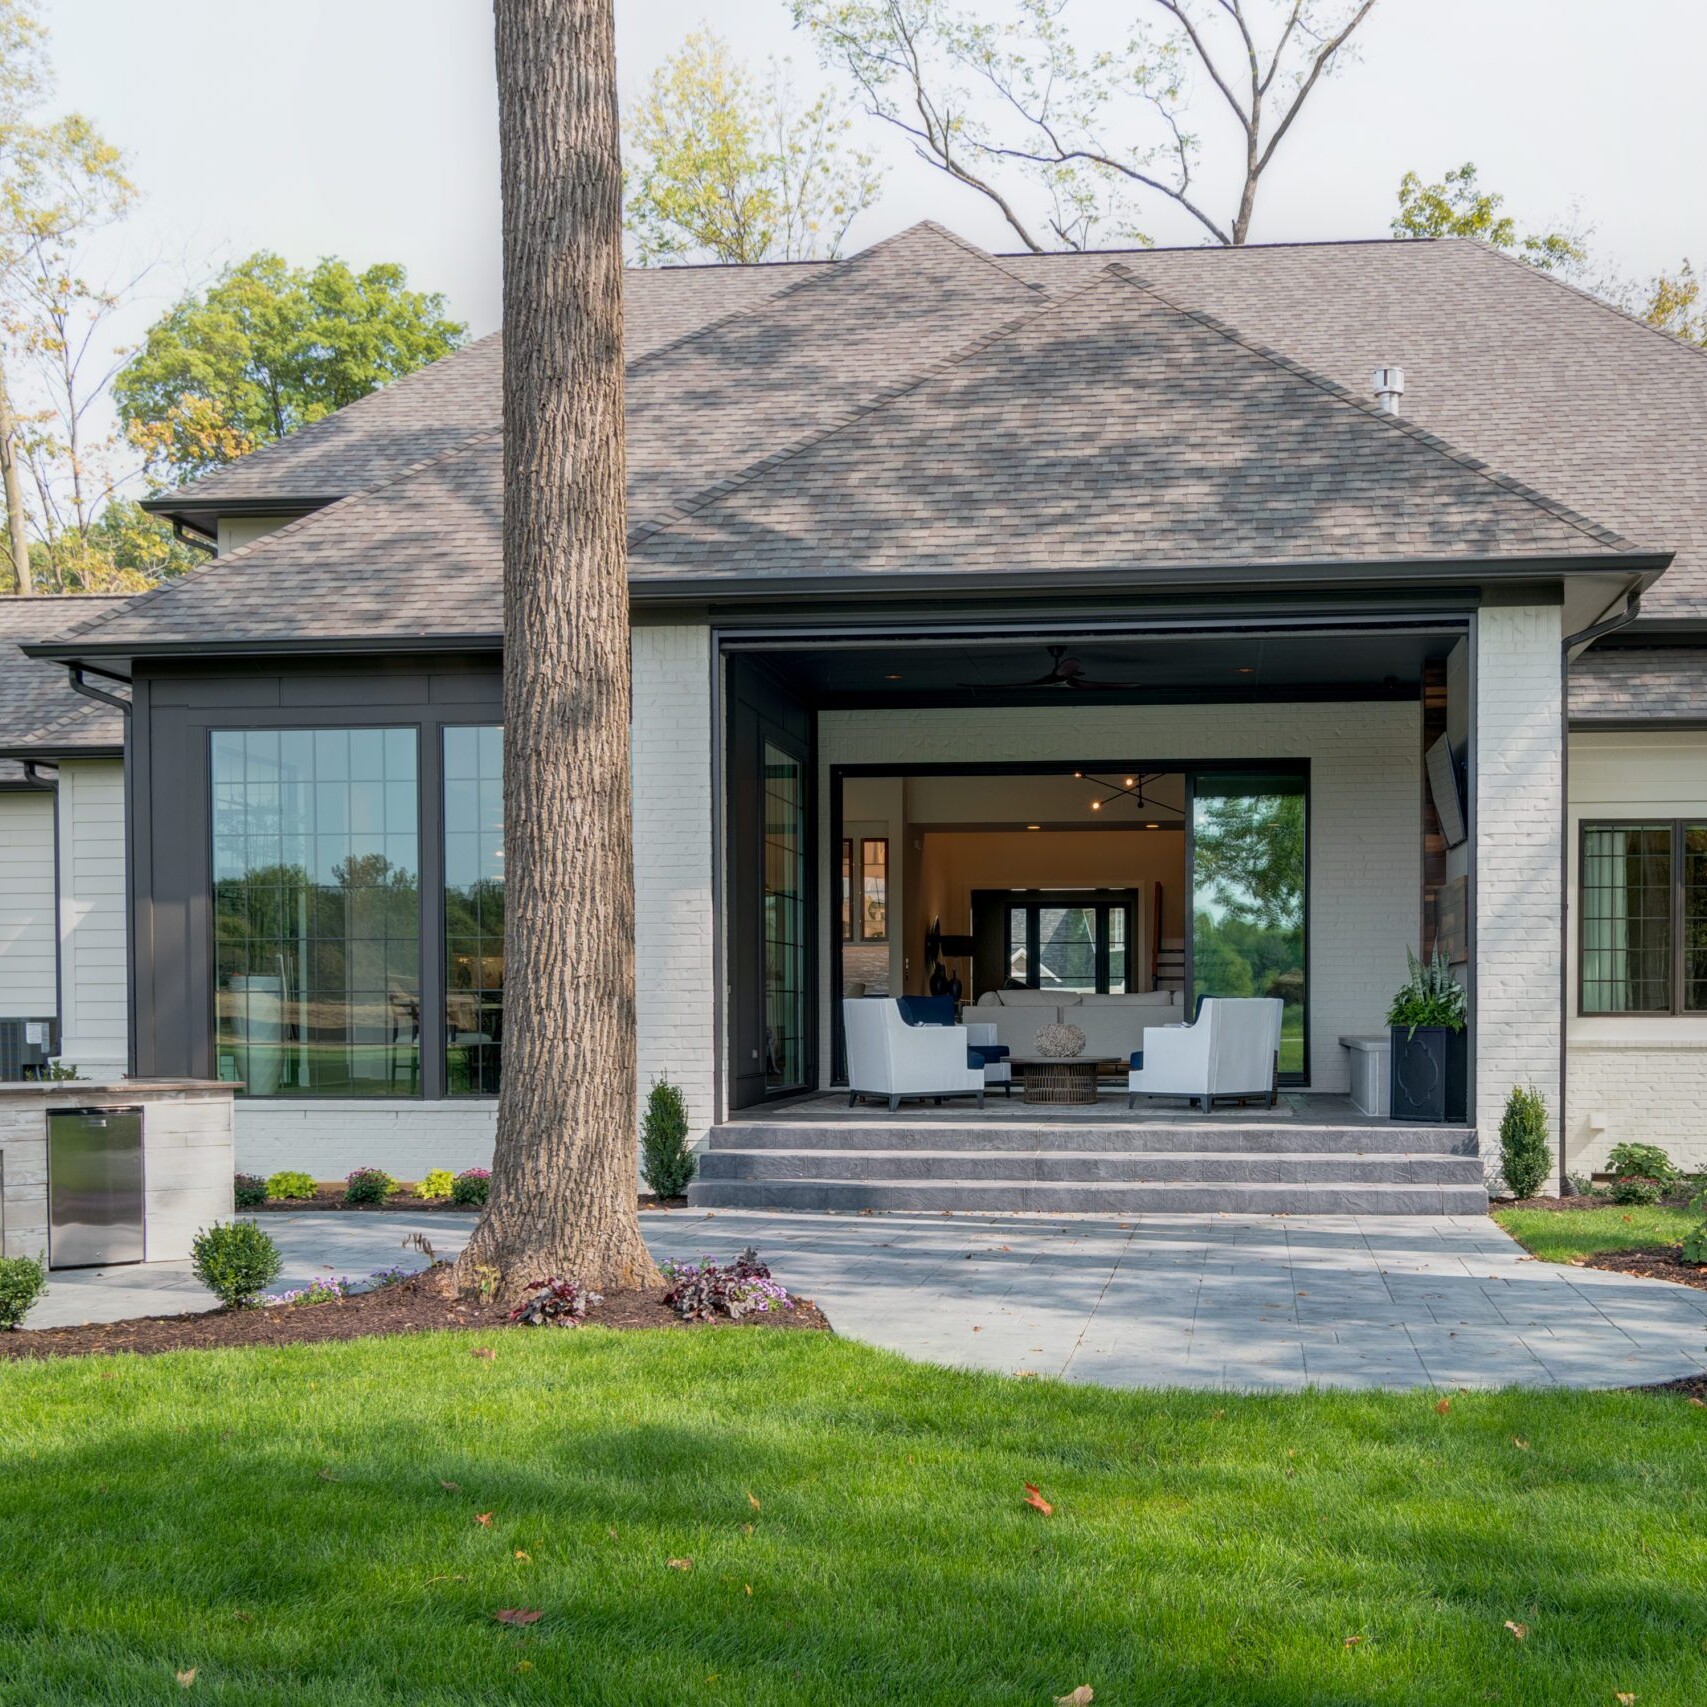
(22, 1281)
(235, 1261)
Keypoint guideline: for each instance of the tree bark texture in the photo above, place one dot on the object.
(17, 518)
(564, 1175)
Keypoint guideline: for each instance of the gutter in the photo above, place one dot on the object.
(1584, 637)
(80, 685)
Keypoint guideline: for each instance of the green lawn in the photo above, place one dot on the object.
(276, 1520)
(1557, 1236)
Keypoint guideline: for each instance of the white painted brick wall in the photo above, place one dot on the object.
(92, 942)
(673, 863)
(1519, 780)
(1637, 1078)
(1365, 837)
(328, 1139)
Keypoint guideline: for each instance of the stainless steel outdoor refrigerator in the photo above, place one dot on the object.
(94, 1186)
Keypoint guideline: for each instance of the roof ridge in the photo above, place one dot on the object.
(1586, 525)
(84, 630)
(813, 281)
(1589, 296)
(663, 520)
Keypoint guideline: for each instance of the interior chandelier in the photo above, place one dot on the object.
(1128, 788)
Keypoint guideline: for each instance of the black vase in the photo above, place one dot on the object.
(1430, 1073)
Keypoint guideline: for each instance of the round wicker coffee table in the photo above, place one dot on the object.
(1052, 1079)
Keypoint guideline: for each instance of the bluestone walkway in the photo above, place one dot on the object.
(1220, 1301)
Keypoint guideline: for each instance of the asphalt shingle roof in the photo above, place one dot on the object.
(35, 693)
(1627, 684)
(848, 415)
(1111, 430)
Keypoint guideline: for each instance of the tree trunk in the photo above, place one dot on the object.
(17, 518)
(564, 1176)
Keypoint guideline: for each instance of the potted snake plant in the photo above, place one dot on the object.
(1430, 1062)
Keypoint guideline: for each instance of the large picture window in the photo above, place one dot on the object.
(1643, 918)
(474, 909)
(317, 911)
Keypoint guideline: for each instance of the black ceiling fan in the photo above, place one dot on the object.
(1066, 672)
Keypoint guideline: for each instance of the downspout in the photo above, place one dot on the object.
(80, 684)
(33, 773)
(1583, 637)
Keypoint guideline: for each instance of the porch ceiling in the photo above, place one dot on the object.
(1146, 669)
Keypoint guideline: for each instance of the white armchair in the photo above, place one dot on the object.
(1231, 1050)
(889, 1058)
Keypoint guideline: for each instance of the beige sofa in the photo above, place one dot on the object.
(1113, 1025)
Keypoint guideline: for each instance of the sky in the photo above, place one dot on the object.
(367, 128)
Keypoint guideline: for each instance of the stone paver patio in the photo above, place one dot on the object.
(1221, 1301)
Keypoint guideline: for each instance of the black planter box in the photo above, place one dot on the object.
(1429, 1073)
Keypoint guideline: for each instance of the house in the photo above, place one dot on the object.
(999, 604)
(63, 979)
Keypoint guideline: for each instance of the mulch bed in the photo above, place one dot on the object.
(1652, 1262)
(420, 1305)
(332, 1197)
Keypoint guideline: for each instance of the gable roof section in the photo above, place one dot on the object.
(451, 401)
(1547, 383)
(421, 554)
(1114, 431)
(35, 693)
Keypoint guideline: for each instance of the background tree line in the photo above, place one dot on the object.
(1074, 142)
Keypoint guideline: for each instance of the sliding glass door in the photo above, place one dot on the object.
(1248, 884)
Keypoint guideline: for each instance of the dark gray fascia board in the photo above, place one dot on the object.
(651, 595)
(52, 753)
(1633, 725)
(203, 514)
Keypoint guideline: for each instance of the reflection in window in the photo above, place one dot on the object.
(317, 911)
(785, 920)
(874, 889)
(1626, 918)
(474, 910)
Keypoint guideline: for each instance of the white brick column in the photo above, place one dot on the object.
(674, 964)
(1519, 784)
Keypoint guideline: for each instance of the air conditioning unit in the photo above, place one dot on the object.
(26, 1047)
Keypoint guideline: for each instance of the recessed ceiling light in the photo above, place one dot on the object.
(1152, 826)
(1034, 826)
(1245, 669)
(891, 678)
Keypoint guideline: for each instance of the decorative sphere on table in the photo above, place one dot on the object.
(1060, 1042)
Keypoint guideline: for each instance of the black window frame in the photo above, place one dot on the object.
(1676, 1007)
(1102, 902)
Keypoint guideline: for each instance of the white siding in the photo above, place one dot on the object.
(92, 917)
(1365, 815)
(28, 987)
(1519, 782)
(673, 863)
(1637, 1079)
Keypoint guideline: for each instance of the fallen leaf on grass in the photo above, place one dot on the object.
(484, 1351)
(1623, 1696)
(450, 1487)
(611, 1533)
(524, 1665)
(521, 1555)
(484, 1519)
(1443, 1406)
(1518, 1631)
(753, 1502)
(518, 1615)
(1351, 1641)
(185, 1678)
(244, 1617)
(748, 1587)
(1520, 1443)
(746, 1529)
(325, 1475)
(1034, 1498)
(1216, 1416)
(1700, 1404)
(681, 1564)
(1083, 1696)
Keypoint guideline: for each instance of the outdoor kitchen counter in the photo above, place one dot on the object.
(186, 1157)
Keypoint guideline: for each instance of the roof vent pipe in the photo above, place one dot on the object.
(1389, 388)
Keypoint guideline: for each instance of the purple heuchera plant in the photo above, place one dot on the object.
(556, 1303)
(704, 1291)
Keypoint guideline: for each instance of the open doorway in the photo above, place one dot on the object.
(1107, 884)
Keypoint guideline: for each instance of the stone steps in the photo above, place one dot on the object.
(1220, 1137)
(1098, 1164)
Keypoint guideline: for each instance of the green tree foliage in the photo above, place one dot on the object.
(1250, 856)
(1071, 132)
(665, 1157)
(729, 165)
(267, 348)
(1525, 1157)
(1457, 206)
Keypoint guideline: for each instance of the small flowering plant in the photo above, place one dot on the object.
(384, 1277)
(470, 1187)
(556, 1303)
(322, 1289)
(368, 1185)
(704, 1291)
